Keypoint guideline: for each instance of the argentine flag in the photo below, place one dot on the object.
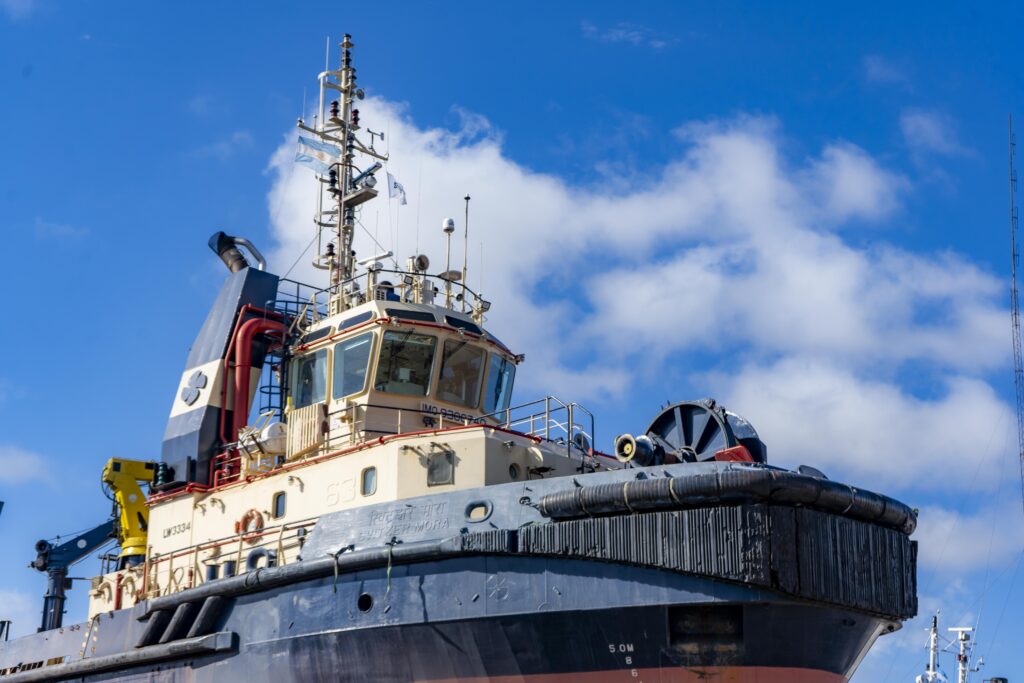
(317, 155)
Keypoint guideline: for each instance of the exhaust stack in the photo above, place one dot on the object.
(205, 397)
(225, 246)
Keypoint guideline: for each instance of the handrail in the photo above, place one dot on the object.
(553, 420)
(306, 299)
(189, 572)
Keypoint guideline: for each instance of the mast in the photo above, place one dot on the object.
(931, 673)
(343, 186)
(963, 657)
(933, 645)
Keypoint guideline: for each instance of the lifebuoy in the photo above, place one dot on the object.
(250, 525)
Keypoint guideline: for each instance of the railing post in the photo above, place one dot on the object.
(568, 439)
(547, 418)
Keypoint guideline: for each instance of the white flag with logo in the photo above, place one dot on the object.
(395, 189)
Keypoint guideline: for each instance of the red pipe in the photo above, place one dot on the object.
(247, 333)
(239, 320)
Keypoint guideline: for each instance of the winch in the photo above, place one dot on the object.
(692, 431)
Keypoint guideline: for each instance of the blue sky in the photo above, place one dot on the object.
(799, 210)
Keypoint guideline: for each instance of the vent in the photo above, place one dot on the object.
(307, 430)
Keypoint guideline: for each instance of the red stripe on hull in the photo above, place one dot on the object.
(705, 674)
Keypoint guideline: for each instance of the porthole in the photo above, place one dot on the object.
(368, 481)
(365, 602)
(514, 471)
(478, 511)
(278, 508)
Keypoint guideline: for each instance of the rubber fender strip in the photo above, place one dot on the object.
(180, 622)
(194, 647)
(154, 628)
(208, 615)
(738, 485)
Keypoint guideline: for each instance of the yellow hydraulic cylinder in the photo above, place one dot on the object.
(123, 477)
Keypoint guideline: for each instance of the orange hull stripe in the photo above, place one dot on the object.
(705, 674)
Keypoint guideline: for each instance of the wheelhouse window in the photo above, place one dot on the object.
(309, 379)
(462, 369)
(500, 376)
(351, 358)
(406, 359)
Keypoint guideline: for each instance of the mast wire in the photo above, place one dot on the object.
(299, 257)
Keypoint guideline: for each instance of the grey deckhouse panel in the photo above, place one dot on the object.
(247, 286)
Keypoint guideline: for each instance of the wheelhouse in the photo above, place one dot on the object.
(394, 359)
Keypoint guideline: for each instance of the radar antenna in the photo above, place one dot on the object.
(1018, 357)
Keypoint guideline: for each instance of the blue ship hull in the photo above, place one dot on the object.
(674, 596)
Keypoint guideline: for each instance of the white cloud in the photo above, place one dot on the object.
(878, 69)
(21, 466)
(869, 432)
(626, 32)
(854, 185)
(198, 105)
(731, 248)
(929, 131)
(961, 543)
(224, 149)
(58, 231)
(18, 9)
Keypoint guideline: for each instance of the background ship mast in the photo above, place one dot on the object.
(1018, 360)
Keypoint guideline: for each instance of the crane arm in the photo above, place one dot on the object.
(123, 477)
(55, 560)
(49, 556)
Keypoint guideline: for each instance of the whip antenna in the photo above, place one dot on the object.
(465, 255)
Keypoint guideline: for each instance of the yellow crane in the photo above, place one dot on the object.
(123, 477)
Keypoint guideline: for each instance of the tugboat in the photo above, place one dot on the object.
(345, 492)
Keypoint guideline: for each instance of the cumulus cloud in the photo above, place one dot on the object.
(931, 132)
(20, 465)
(873, 433)
(965, 542)
(733, 250)
(854, 185)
